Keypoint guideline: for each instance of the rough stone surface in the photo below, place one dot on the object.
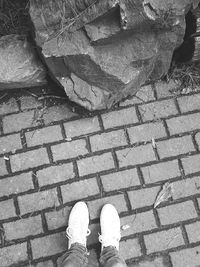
(111, 49)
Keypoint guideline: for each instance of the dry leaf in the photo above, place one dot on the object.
(164, 194)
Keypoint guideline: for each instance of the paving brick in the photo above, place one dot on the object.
(38, 201)
(29, 102)
(29, 159)
(82, 127)
(9, 143)
(9, 106)
(163, 89)
(108, 140)
(157, 262)
(163, 240)
(138, 223)
(145, 94)
(118, 180)
(197, 137)
(49, 245)
(177, 213)
(186, 187)
(130, 249)
(146, 132)
(16, 184)
(189, 103)
(93, 259)
(79, 190)
(184, 123)
(158, 110)
(13, 254)
(95, 206)
(55, 174)
(135, 155)
(69, 150)
(95, 164)
(191, 164)
(57, 113)
(187, 257)
(143, 197)
(161, 171)
(17, 122)
(23, 228)
(58, 218)
(175, 146)
(119, 117)
(44, 135)
(3, 169)
(193, 232)
(7, 209)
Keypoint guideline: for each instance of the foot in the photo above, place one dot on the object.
(77, 230)
(110, 227)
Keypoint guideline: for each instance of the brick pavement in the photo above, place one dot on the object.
(51, 157)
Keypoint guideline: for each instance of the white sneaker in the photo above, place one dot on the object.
(110, 227)
(77, 230)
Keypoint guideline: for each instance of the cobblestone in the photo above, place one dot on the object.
(189, 103)
(104, 158)
(55, 174)
(9, 143)
(186, 187)
(137, 223)
(69, 150)
(177, 213)
(161, 171)
(28, 159)
(135, 155)
(193, 231)
(9, 107)
(157, 110)
(43, 136)
(48, 245)
(184, 123)
(16, 184)
(82, 127)
(120, 117)
(175, 146)
(119, 180)
(163, 240)
(191, 164)
(130, 248)
(7, 209)
(95, 164)
(17, 122)
(143, 197)
(38, 201)
(146, 132)
(23, 228)
(108, 140)
(186, 257)
(83, 189)
(13, 254)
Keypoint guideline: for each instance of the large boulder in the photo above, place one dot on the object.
(103, 51)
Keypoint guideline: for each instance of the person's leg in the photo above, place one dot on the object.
(77, 232)
(110, 237)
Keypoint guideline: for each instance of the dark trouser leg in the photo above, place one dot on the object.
(110, 258)
(76, 256)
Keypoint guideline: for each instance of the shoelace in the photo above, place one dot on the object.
(70, 235)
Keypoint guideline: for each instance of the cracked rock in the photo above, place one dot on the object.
(103, 51)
